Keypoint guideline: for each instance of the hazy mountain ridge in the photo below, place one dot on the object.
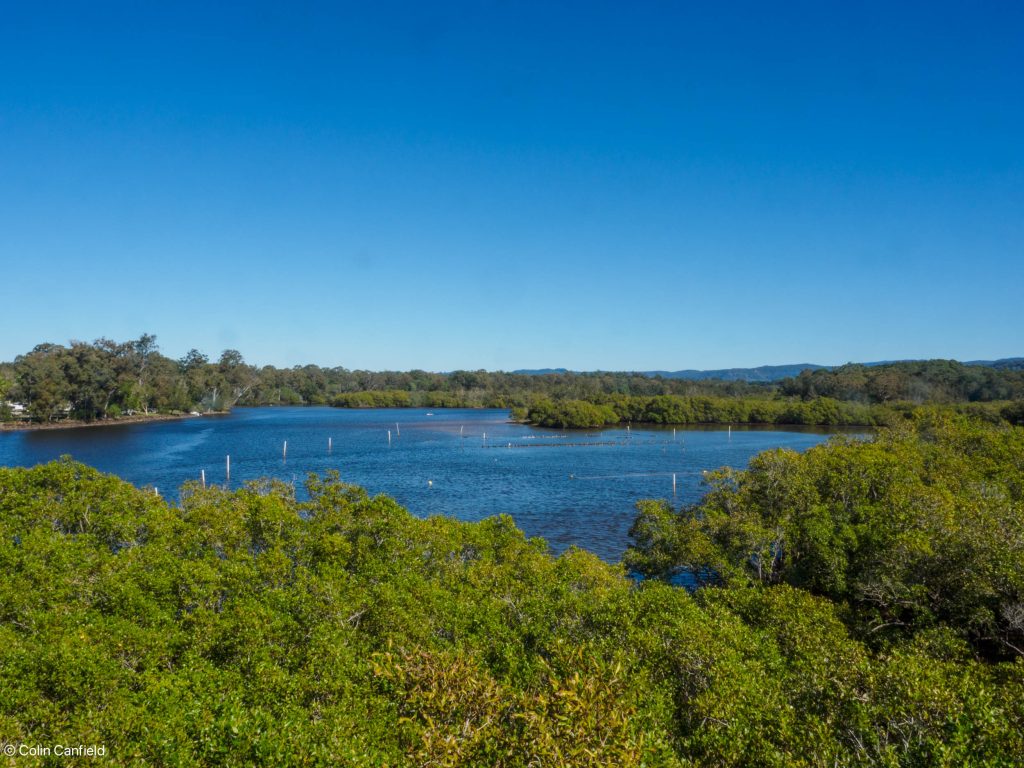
(774, 372)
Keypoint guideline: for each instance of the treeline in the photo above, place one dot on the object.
(924, 381)
(397, 398)
(827, 397)
(673, 409)
(931, 381)
(105, 379)
(861, 604)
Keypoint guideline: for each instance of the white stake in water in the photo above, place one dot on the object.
(229, 467)
(155, 491)
(730, 432)
(202, 477)
(389, 437)
(398, 432)
(328, 445)
(284, 451)
(673, 483)
(673, 434)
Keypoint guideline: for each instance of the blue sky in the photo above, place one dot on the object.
(506, 185)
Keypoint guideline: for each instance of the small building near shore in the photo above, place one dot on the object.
(18, 410)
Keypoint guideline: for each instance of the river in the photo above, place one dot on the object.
(571, 487)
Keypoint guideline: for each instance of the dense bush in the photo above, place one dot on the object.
(945, 381)
(603, 410)
(921, 528)
(675, 409)
(248, 628)
(571, 413)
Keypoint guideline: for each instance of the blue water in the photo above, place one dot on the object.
(571, 487)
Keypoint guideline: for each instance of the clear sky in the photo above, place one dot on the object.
(508, 185)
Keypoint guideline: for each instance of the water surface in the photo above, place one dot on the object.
(571, 487)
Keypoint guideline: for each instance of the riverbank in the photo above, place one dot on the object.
(24, 426)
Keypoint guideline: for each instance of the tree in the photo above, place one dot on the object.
(142, 349)
(194, 370)
(41, 380)
(237, 377)
(6, 414)
(91, 379)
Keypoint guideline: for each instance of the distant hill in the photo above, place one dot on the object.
(761, 373)
(1006, 364)
(774, 372)
(542, 371)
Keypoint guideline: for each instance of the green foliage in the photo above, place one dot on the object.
(387, 399)
(676, 409)
(578, 709)
(922, 527)
(6, 384)
(1014, 413)
(571, 413)
(920, 381)
(251, 628)
(106, 379)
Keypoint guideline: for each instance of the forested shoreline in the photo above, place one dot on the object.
(608, 410)
(861, 603)
(105, 380)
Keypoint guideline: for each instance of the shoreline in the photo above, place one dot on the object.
(9, 426)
